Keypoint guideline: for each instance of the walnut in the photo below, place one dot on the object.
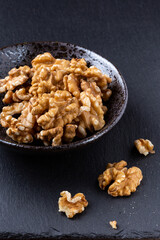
(144, 146)
(45, 59)
(106, 94)
(94, 74)
(54, 101)
(27, 119)
(16, 78)
(42, 81)
(71, 84)
(77, 66)
(20, 135)
(69, 132)
(106, 177)
(19, 129)
(19, 95)
(113, 224)
(125, 180)
(41, 104)
(9, 111)
(71, 206)
(62, 110)
(53, 134)
(60, 69)
(60, 64)
(91, 112)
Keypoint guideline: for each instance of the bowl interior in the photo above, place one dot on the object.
(22, 54)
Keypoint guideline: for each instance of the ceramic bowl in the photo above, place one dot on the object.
(22, 54)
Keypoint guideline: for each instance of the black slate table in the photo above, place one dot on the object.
(128, 34)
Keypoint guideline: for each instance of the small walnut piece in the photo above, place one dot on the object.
(113, 224)
(125, 180)
(144, 146)
(72, 205)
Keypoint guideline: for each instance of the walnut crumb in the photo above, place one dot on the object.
(144, 146)
(113, 224)
(125, 180)
(72, 205)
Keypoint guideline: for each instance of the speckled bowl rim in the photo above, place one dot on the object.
(81, 142)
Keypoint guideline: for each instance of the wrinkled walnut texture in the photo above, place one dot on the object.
(144, 146)
(72, 205)
(125, 180)
(56, 100)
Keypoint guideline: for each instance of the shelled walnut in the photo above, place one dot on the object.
(19, 95)
(144, 146)
(58, 99)
(113, 224)
(71, 206)
(125, 180)
(16, 77)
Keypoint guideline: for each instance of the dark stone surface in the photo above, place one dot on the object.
(128, 34)
(23, 54)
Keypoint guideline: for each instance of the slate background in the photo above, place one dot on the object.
(128, 34)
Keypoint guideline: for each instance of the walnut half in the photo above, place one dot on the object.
(72, 206)
(125, 180)
(144, 146)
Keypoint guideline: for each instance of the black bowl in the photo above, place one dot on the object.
(22, 54)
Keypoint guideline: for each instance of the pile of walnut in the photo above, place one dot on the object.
(125, 180)
(56, 100)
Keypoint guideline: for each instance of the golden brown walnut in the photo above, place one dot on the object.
(61, 100)
(144, 146)
(107, 176)
(41, 104)
(106, 94)
(95, 75)
(7, 113)
(77, 66)
(45, 59)
(125, 180)
(19, 129)
(63, 108)
(19, 95)
(60, 69)
(42, 81)
(69, 132)
(26, 118)
(53, 135)
(60, 64)
(71, 84)
(95, 90)
(113, 224)
(91, 112)
(71, 206)
(16, 77)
